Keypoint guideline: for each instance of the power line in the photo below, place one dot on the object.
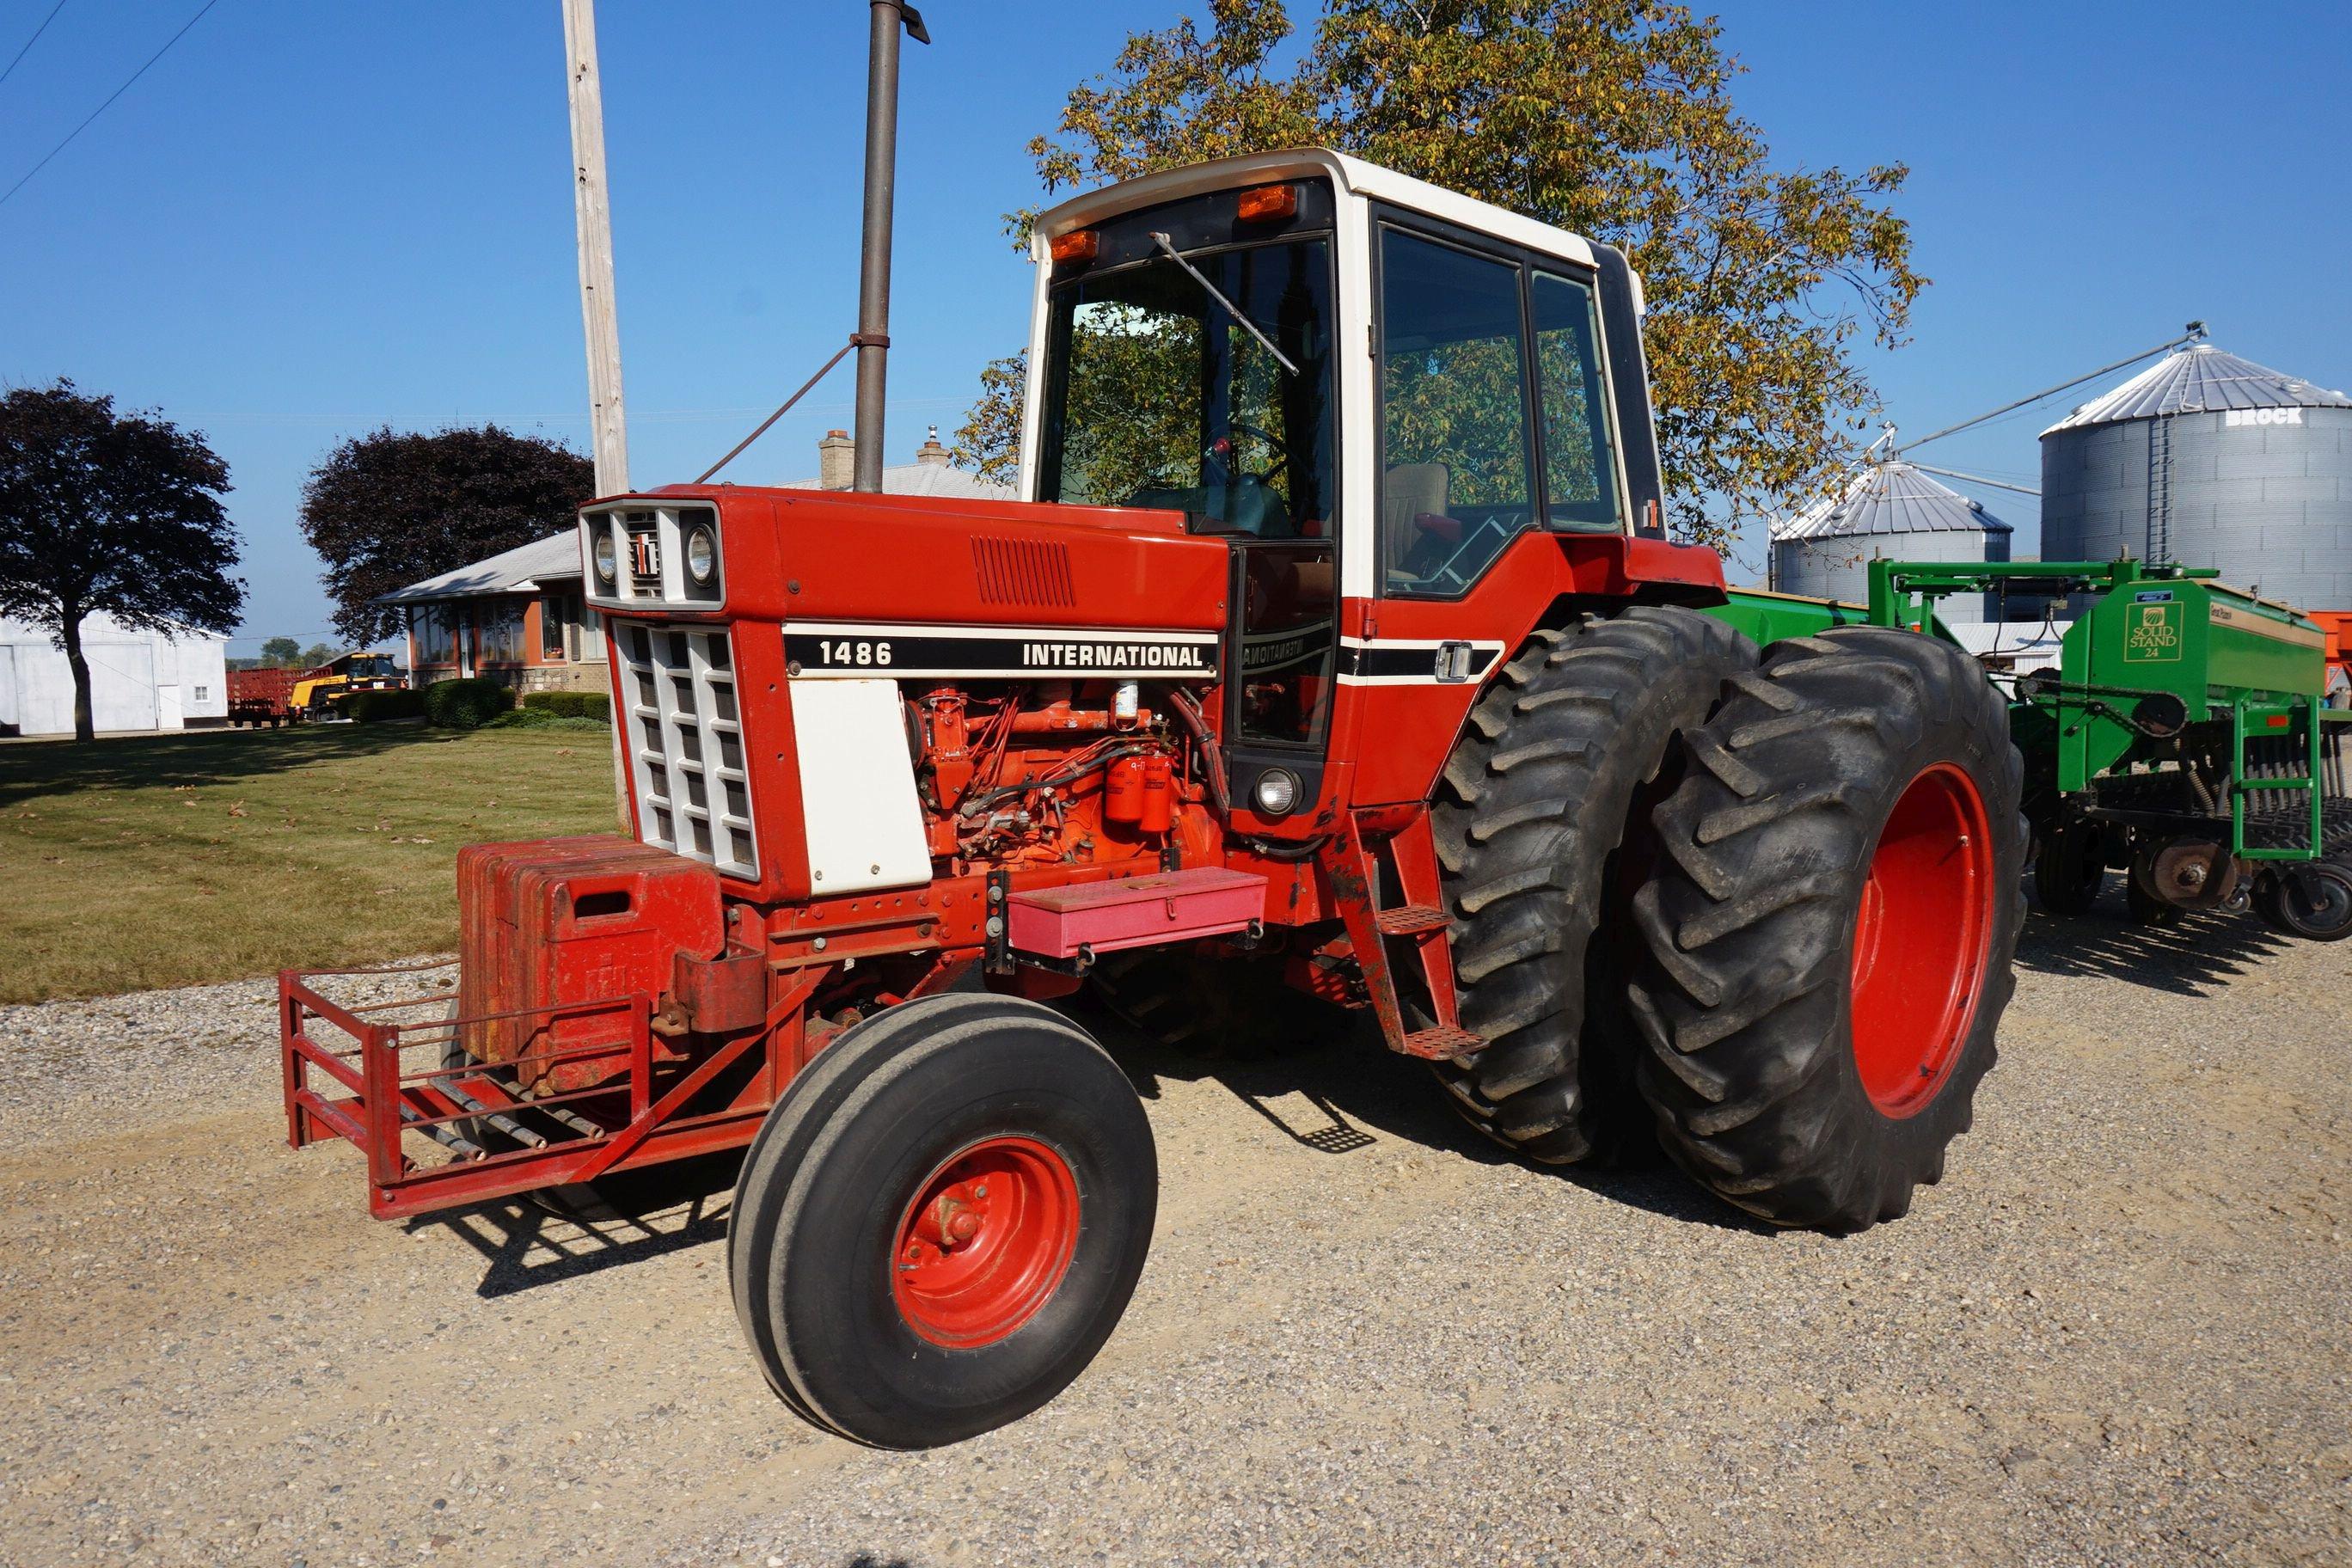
(34, 39)
(2193, 333)
(102, 107)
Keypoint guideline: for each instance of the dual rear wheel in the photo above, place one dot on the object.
(1815, 890)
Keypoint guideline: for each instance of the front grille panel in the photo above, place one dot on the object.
(686, 744)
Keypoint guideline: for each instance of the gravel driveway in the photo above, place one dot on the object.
(2120, 1332)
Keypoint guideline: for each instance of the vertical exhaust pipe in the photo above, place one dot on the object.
(874, 264)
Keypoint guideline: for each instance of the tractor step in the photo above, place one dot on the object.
(1411, 936)
(1443, 1045)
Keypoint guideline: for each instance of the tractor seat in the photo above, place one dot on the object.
(1409, 491)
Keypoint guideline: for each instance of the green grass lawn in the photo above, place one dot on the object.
(171, 861)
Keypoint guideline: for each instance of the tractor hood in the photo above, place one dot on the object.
(843, 558)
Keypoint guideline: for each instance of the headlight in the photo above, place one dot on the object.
(606, 562)
(701, 555)
(1276, 792)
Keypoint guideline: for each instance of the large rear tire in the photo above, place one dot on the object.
(1830, 941)
(1544, 791)
(942, 1221)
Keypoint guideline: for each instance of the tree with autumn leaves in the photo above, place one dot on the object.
(1610, 118)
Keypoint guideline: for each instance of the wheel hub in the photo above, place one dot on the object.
(984, 1242)
(1923, 934)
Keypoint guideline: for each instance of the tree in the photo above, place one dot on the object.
(1612, 118)
(281, 651)
(109, 513)
(317, 654)
(386, 510)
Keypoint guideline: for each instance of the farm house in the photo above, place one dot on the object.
(517, 616)
(138, 680)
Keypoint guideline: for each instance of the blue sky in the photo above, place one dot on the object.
(309, 220)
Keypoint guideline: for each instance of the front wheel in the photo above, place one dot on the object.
(943, 1220)
(1830, 932)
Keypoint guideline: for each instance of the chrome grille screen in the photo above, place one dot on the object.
(684, 733)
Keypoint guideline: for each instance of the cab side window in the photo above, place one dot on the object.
(1580, 459)
(1457, 481)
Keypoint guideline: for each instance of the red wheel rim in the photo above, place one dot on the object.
(1921, 939)
(985, 1242)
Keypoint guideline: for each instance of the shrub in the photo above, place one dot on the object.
(466, 704)
(541, 719)
(571, 704)
(375, 707)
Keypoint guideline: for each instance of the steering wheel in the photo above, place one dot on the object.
(1274, 445)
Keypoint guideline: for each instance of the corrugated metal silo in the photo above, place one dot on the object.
(1890, 511)
(2210, 460)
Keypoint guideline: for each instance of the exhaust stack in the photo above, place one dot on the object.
(874, 265)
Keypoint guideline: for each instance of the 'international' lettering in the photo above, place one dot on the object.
(1116, 656)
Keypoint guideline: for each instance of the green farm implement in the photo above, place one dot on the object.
(2183, 736)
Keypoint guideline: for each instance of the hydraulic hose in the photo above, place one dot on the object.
(1212, 758)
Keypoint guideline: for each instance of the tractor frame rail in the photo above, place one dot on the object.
(372, 1073)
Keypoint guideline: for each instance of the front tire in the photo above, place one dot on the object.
(1830, 940)
(943, 1220)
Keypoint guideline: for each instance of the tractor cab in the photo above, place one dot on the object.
(1369, 387)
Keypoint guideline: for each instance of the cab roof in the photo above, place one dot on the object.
(1351, 179)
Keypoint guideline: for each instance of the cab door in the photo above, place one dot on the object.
(1282, 647)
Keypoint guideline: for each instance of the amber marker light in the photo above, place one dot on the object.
(1079, 245)
(1269, 202)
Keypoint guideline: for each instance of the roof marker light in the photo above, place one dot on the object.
(1079, 245)
(1269, 202)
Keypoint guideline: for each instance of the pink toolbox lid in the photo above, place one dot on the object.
(1133, 911)
(1084, 896)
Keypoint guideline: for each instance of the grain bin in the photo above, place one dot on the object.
(2210, 460)
(1889, 511)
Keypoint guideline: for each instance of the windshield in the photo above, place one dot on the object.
(1158, 396)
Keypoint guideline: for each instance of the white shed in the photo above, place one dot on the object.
(175, 680)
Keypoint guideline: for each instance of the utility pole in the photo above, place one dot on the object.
(592, 205)
(592, 209)
(888, 17)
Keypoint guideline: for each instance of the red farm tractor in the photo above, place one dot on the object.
(1335, 645)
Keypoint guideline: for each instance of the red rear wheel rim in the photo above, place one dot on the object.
(985, 1242)
(1921, 940)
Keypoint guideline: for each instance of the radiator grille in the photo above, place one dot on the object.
(1022, 571)
(685, 744)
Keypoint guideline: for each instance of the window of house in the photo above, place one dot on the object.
(498, 632)
(1457, 481)
(432, 635)
(203, 693)
(1580, 461)
(559, 615)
